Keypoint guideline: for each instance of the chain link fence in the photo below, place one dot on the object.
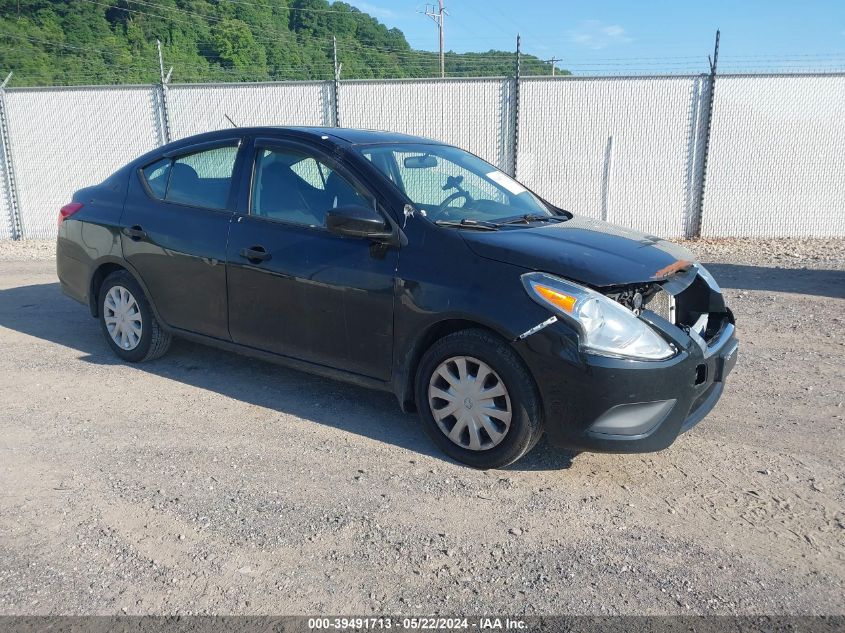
(775, 165)
(72, 138)
(618, 149)
(472, 114)
(6, 229)
(8, 207)
(630, 150)
(197, 108)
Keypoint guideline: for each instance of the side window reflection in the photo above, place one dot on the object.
(299, 189)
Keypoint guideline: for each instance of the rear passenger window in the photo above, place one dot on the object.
(202, 179)
(156, 176)
(292, 187)
(312, 172)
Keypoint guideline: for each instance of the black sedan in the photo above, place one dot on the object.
(404, 264)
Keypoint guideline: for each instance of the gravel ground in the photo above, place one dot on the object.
(210, 483)
(27, 250)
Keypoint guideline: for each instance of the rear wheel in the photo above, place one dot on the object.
(127, 321)
(477, 399)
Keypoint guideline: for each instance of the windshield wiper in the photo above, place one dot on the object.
(533, 217)
(469, 224)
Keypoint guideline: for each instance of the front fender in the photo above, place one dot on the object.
(429, 310)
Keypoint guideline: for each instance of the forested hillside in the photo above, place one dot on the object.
(71, 42)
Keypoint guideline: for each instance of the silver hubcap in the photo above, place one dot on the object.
(123, 318)
(470, 403)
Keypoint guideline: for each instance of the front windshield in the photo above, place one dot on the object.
(450, 184)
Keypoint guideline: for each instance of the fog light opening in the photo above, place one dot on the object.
(700, 374)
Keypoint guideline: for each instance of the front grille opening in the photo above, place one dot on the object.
(694, 301)
(660, 302)
(700, 374)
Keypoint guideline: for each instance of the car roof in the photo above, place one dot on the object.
(351, 136)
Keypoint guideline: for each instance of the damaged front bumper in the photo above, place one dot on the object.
(599, 403)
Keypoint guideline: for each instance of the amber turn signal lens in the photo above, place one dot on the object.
(556, 298)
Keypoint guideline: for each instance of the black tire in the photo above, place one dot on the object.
(154, 341)
(526, 424)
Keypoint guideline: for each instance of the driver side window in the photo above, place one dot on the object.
(293, 187)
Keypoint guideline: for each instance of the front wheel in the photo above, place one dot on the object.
(477, 400)
(128, 322)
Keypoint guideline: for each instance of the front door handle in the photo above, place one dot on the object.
(255, 254)
(135, 233)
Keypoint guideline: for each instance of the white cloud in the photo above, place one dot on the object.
(596, 35)
(376, 11)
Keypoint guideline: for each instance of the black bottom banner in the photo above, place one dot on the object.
(516, 624)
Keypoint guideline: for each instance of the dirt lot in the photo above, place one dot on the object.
(210, 483)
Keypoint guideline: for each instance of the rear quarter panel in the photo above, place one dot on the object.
(90, 236)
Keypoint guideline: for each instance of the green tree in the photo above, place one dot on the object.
(236, 47)
(114, 41)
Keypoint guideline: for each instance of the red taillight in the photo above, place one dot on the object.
(68, 210)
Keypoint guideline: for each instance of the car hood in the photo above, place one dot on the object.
(588, 251)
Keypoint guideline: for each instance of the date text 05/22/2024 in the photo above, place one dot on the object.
(421, 623)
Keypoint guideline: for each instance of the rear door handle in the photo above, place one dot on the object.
(135, 233)
(255, 254)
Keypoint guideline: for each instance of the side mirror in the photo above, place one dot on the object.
(357, 221)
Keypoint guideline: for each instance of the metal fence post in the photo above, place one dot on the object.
(8, 169)
(707, 125)
(605, 180)
(165, 79)
(336, 85)
(515, 124)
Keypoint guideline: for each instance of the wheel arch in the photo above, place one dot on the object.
(406, 371)
(105, 267)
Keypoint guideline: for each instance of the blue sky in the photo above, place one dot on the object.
(660, 35)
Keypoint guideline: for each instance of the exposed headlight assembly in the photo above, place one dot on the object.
(606, 327)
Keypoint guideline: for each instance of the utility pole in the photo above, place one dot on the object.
(553, 61)
(437, 14)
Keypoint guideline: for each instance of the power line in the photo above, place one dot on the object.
(419, 57)
(384, 61)
(59, 44)
(407, 55)
(274, 40)
(214, 19)
(355, 12)
(276, 35)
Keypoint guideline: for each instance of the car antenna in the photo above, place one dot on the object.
(229, 119)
